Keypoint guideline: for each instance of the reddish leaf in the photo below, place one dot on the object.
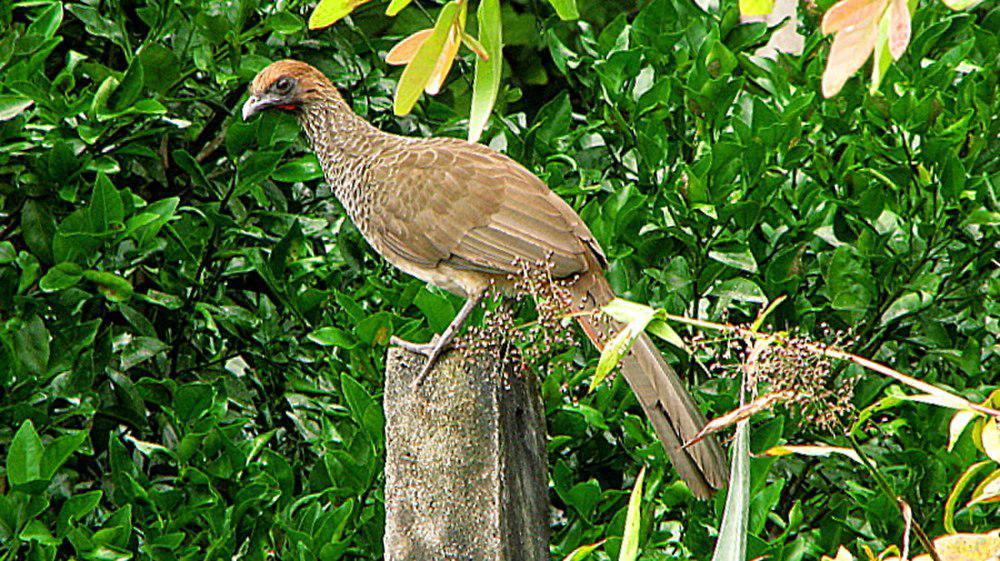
(851, 48)
(847, 14)
(404, 51)
(899, 28)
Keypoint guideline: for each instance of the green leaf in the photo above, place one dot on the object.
(663, 330)
(38, 531)
(192, 401)
(106, 209)
(436, 307)
(328, 12)
(565, 9)
(113, 287)
(738, 258)
(982, 217)
(333, 337)
(486, 84)
(418, 72)
(851, 286)
(13, 105)
(630, 536)
(47, 23)
(141, 349)
(129, 89)
(61, 276)
(31, 345)
(160, 67)
(584, 497)
(364, 410)
(7, 253)
(285, 23)
(58, 451)
(38, 227)
(75, 508)
(24, 458)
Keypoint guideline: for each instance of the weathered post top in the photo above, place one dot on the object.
(465, 462)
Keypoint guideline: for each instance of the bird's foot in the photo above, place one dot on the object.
(431, 350)
(425, 349)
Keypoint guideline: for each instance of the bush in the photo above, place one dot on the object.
(192, 331)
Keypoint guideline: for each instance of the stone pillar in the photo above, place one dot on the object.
(465, 466)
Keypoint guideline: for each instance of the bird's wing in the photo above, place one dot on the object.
(464, 205)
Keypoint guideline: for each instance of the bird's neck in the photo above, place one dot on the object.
(336, 132)
(346, 146)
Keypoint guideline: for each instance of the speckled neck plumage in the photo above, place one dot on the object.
(346, 146)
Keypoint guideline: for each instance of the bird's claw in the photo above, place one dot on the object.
(431, 350)
(425, 349)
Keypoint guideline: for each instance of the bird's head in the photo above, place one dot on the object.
(290, 85)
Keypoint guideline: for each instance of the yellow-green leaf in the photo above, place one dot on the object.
(396, 6)
(956, 427)
(565, 9)
(991, 439)
(967, 476)
(988, 490)
(756, 7)
(113, 287)
(882, 55)
(613, 352)
(663, 330)
(630, 536)
(582, 552)
(486, 84)
(328, 12)
(812, 450)
(445, 59)
(418, 72)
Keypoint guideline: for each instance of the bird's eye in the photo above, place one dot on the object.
(283, 84)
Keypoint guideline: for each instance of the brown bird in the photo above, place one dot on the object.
(462, 217)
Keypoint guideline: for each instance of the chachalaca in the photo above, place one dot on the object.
(463, 217)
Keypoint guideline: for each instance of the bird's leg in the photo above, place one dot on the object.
(440, 342)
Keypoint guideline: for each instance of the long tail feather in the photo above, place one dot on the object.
(663, 397)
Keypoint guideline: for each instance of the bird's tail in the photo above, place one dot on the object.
(663, 397)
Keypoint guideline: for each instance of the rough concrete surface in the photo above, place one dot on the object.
(465, 462)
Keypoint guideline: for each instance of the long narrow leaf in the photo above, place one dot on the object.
(613, 352)
(488, 70)
(418, 72)
(630, 536)
(732, 544)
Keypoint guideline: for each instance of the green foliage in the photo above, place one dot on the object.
(192, 335)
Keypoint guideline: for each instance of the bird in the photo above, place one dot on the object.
(464, 217)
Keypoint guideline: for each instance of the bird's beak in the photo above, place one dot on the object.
(254, 105)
